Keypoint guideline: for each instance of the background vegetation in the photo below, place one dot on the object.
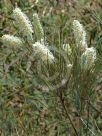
(27, 109)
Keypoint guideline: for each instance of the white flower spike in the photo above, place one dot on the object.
(43, 52)
(10, 40)
(88, 58)
(23, 24)
(80, 35)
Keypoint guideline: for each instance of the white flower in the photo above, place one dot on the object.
(23, 24)
(36, 1)
(37, 27)
(11, 40)
(69, 67)
(80, 35)
(67, 48)
(43, 52)
(88, 58)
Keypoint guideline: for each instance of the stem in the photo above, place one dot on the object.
(68, 116)
(88, 111)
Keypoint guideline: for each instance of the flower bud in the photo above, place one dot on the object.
(69, 67)
(67, 48)
(37, 27)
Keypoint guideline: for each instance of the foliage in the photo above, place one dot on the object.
(38, 99)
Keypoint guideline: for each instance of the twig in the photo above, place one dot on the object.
(68, 116)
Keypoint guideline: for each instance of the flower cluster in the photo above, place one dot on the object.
(11, 40)
(23, 24)
(88, 58)
(43, 52)
(88, 55)
(80, 35)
